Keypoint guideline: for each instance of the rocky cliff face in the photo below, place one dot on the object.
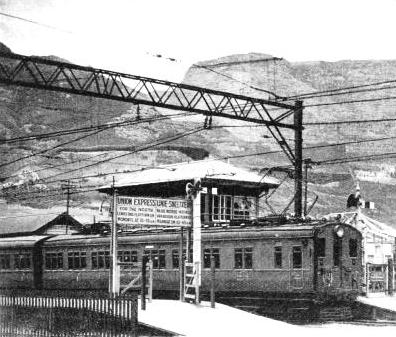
(27, 111)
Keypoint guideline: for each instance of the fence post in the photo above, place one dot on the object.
(390, 277)
(367, 278)
(150, 289)
(143, 289)
(212, 281)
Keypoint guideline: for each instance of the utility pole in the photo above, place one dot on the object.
(114, 271)
(67, 187)
(307, 163)
(298, 161)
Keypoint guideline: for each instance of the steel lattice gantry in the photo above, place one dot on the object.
(35, 72)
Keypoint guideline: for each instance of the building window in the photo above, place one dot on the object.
(211, 252)
(243, 258)
(158, 258)
(100, 260)
(336, 250)
(221, 206)
(297, 258)
(77, 260)
(22, 261)
(278, 257)
(53, 261)
(227, 207)
(127, 256)
(5, 261)
(243, 208)
(353, 248)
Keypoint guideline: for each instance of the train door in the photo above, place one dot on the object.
(296, 278)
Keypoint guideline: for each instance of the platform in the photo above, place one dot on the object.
(202, 320)
(383, 302)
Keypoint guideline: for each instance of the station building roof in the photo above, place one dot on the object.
(212, 172)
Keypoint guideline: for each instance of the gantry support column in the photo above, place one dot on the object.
(298, 162)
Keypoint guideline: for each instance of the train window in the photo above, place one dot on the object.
(100, 260)
(278, 257)
(127, 256)
(321, 248)
(337, 244)
(158, 258)
(5, 261)
(353, 247)
(22, 261)
(297, 258)
(215, 253)
(175, 257)
(77, 260)
(221, 206)
(54, 261)
(243, 258)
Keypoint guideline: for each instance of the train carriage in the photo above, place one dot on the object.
(313, 259)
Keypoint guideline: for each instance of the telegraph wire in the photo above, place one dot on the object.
(35, 22)
(364, 100)
(50, 149)
(145, 147)
(352, 122)
(88, 128)
(218, 158)
(303, 95)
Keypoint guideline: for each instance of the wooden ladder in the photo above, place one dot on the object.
(191, 284)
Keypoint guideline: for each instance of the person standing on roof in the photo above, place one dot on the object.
(355, 199)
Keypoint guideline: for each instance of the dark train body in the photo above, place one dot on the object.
(316, 260)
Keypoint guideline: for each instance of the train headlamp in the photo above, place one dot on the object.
(339, 230)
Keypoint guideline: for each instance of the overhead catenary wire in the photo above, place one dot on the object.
(303, 95)
(144, 147)
(102, 128)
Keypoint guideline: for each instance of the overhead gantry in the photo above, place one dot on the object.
(41, 73)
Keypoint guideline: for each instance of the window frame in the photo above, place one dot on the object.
(245, 256)
(297, 250)
(5, 261)
(157, 256)
(207, 253)
(278, 253)
(100, 259)
(22, 261)
(78, 259)
(53, 260)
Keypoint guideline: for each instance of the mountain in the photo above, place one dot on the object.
(25, 112)
(332, 183)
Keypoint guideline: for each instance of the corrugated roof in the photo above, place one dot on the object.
(212, 169)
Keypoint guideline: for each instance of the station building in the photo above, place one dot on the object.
(227, 194)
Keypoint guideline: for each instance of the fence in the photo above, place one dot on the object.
(93, 308)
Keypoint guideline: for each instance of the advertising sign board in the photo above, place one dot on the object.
(134, 212)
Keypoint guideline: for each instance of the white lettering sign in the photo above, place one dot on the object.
(134, 212)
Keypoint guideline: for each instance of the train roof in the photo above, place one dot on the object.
(21, 241)
(168, 235)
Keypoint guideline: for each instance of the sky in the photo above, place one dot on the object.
(123, 35)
